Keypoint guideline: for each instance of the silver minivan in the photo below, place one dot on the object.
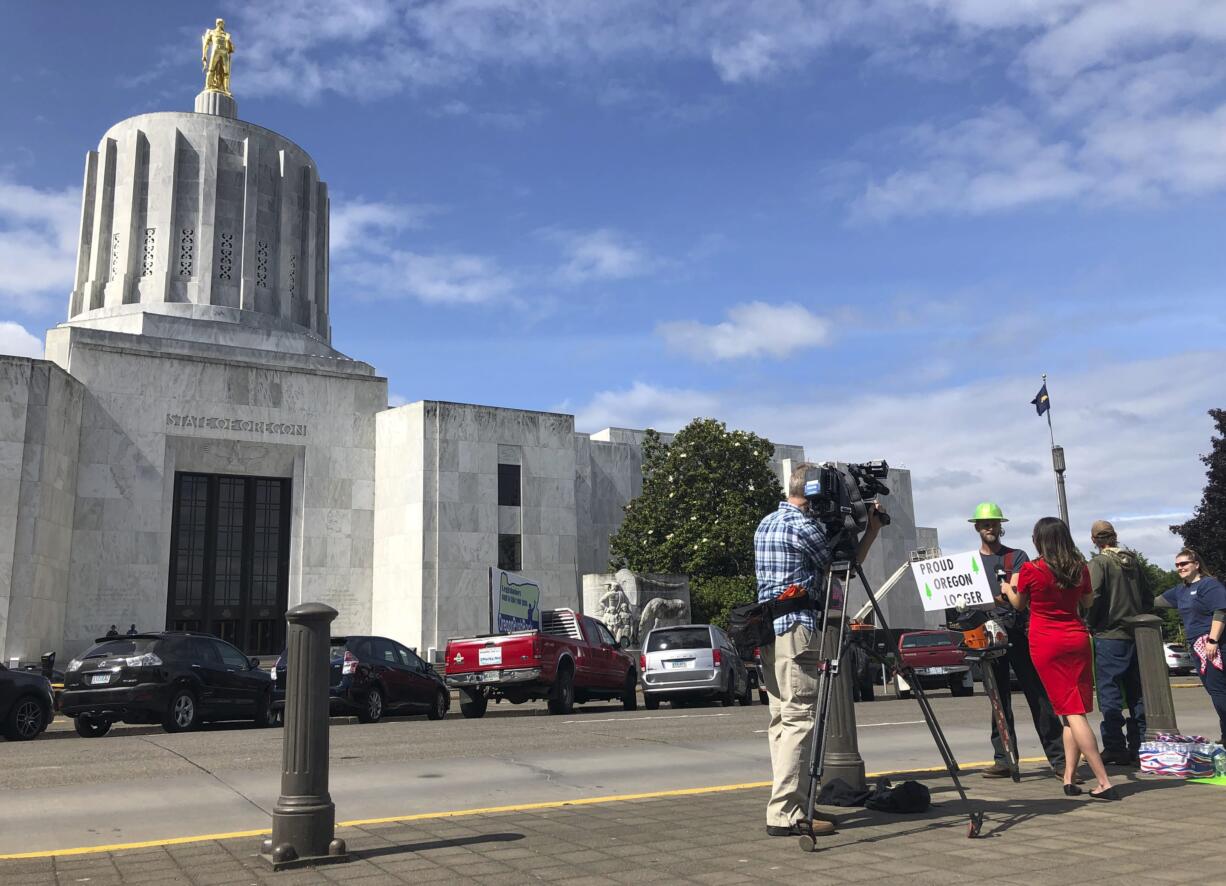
(690, 662)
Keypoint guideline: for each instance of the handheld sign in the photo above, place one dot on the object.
(952, 580)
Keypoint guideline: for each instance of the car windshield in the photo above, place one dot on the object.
(915, 641)
(123, 646)
(679, 638)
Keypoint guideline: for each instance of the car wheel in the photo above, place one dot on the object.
(92, 727)
(438, 710)
(372, 711)
(746, 698)
(183, 714)
(473, 704)
(26, 720)
(265, 716)
(728, 698)
(763, 698)
(562, 701)
(651, 702)
(630, 695)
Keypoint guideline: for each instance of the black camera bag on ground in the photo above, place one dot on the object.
(752, 626)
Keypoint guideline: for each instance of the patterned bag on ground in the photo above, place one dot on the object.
(1178, 756)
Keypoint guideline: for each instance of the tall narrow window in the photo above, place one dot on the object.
(508, 485)
(510, 552)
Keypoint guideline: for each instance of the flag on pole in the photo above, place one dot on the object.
(1040, 402)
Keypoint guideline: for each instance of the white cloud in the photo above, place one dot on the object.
(394, 400)
(440, 278)
(18, 342)
(362, 224)
(752, 330)
(38, 244)
(645, 406)
(1131, 433)
(603, 254)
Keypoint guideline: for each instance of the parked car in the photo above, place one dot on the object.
(1178, 659)
(938, 661)
(175, 678)
(373, 677)
(686, 662)
(572, 659)
(26, 704)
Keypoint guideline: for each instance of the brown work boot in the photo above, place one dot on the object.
(801, 828)
(997, 770)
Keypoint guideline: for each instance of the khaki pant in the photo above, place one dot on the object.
(789, 669)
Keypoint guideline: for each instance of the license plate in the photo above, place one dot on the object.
(489, 655)
(95, 679)
(679, 663)
(491, 676)
(936, 671)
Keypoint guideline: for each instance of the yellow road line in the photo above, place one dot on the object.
(460, 813)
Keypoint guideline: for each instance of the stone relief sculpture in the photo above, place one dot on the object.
(630, 603)
(217, 68)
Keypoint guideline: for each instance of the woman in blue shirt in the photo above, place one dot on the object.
(1201, 601)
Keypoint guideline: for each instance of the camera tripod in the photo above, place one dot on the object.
(828, 670)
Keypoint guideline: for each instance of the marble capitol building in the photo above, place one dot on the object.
(194, 454)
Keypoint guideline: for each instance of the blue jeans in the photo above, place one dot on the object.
(1119, 683)
(1215, 684)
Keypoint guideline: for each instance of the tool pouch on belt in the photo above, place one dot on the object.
(753, 625)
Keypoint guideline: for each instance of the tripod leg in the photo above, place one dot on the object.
(817, 744)
(975, 817)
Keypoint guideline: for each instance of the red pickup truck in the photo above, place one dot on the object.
(938, 660)
(572, 658)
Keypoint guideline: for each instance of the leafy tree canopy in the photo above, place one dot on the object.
(1205, 533)
(703, 495)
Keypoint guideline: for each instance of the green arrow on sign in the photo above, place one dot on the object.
(975, 565)
(927, 591)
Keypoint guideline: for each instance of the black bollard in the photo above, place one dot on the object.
(304, 819)
(843, 758)
(1155, 682)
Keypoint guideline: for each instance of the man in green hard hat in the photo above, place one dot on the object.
(1002, 563)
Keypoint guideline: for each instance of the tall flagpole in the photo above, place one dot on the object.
(1057, 461)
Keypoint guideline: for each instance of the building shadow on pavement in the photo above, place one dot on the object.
(427, 845)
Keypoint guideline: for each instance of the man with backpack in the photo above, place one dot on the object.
(1002, 563)
(1121, 590)
(791, 555)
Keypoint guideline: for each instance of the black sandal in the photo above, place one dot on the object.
(1109, 794)
(1071, 790)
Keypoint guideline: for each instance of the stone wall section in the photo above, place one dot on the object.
(155, 407)
(40, 416)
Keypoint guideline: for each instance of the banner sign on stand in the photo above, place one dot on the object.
(515, 602)
(953, 580)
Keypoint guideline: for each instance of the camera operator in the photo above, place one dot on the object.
(997, 560)
(791, 549)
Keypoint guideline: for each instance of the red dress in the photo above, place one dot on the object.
(1059, 641)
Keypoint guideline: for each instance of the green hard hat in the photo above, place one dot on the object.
(988, 510)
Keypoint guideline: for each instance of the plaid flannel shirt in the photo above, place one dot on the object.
(789, 548)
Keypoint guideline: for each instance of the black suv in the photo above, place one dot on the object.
(26, 705)
(373, 676)
(174, 678)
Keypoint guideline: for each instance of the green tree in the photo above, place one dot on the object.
(1205, 533)
(703, 495)
(1159, 581)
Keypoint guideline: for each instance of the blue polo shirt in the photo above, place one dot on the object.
(1196, 603)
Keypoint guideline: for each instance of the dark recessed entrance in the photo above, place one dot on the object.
(229, 559)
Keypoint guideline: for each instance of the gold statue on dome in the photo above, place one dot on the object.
(217, 68)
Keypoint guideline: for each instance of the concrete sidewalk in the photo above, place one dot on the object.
(1158, 833)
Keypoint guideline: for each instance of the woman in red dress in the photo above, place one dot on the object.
(1055, 588)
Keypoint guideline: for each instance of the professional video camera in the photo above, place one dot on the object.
(839, 496)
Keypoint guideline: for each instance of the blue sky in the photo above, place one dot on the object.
(864, 227)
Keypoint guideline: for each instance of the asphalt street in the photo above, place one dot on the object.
(139, 783)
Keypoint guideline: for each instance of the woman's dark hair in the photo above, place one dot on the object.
(1055, 546)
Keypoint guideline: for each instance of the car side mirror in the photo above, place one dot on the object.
(254, 662)
(624, 642)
